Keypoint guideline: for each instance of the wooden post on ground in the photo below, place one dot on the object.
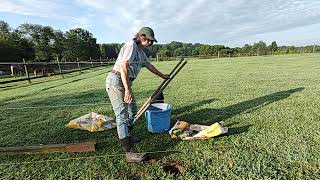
(218, 54)
(26, 69)
(100, 62)
(79, 65)
(74, 147)
(60, 70)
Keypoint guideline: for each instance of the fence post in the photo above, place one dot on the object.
(91, 62)
(218, 54)
(79, 65)
(12, 71)
(26, 69)
(313, 48)
(60, 70)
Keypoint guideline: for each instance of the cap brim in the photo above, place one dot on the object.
(152, 38)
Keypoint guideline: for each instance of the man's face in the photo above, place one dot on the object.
(145, 42)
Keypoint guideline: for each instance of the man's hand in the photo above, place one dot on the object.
(127, 96)
(155, 71)
(165, 76)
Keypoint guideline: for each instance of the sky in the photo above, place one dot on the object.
(228, 22)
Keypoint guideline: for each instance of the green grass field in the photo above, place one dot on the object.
(270, 104)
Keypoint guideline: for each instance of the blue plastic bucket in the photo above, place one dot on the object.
(158, 117)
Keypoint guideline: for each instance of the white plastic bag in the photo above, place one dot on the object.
(92, 122)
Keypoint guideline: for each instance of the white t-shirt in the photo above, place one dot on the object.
(136, 57)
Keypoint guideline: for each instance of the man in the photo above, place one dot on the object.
(130, 60)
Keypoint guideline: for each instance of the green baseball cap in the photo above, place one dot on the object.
(148, 32)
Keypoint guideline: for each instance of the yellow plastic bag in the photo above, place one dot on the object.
(92, 122)
(185, 131)
(215, 129)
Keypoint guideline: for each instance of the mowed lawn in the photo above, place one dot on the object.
(270, 104)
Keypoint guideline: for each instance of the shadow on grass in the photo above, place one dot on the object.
(208, 116)
(26, 84)
(96, 96)
(54, 119)
(8, 100)
(107, 141)
(88, 97)
(193, 106)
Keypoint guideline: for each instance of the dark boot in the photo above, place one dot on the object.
(133, 139)
(131, 155)
(159, 98)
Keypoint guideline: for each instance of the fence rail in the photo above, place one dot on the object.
(46, 63)
(218, 55)
(21, 71)
(31, 70)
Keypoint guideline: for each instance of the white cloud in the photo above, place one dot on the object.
(58, 10)
(204, 21)
(83, 22)
(32, 8)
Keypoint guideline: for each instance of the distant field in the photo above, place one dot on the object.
(270, 104)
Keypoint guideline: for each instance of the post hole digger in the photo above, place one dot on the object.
(159, 90)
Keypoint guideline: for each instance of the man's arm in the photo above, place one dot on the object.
(125, 81)
(155, 71)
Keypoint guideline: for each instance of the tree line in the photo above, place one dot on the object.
(35, 42)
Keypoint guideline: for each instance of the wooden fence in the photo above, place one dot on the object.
(32, 70)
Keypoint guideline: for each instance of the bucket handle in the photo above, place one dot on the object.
(147, 114)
